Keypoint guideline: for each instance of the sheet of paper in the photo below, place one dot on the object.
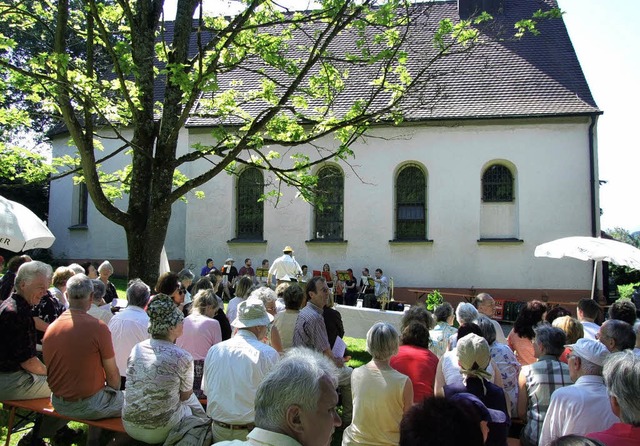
(339, 348)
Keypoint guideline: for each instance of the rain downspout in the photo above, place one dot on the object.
(592, 177)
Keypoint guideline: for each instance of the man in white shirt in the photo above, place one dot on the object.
(99, 309)
(584, 406)
(285, 268)
(130, 326)
(233, 369)
(588, 311)
(485, 304)
(304, 414)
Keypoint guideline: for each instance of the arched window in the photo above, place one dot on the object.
(497, 184)
(330, 213)
(411, 204)
(250, 211)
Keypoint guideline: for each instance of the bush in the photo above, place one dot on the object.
(625, 291)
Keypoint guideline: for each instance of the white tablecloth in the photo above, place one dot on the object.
(358, 321)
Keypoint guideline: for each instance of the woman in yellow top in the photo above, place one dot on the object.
(381, 395)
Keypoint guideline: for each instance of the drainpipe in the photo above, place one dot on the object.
(592, 176)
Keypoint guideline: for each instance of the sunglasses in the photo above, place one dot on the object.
(182, 290)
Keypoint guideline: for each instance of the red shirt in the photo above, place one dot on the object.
(620, 434)
(420, 365)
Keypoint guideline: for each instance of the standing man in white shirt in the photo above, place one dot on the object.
(584, 406)
(130, 326)
(234, 368)
(285, 268)
(485, 304)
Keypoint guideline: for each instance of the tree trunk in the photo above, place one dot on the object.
(144, 245)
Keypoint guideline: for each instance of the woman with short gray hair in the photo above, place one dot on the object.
(105, 271)
(381, 395)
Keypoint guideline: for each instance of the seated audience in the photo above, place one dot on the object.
(99, 309)
(268, 298)
(22, 375)
(45, 312)
(169, 284)
(486, 305)
(487, 416)
(617, 335)
(443, 330)
(225, 327)
(90, 270)
(623, 310)
(474, 357)
(130, 326)
(415, 360)
(505, 361)
(79, 356)
(539, 380)
(185, 276)
(574, 331)
(555, 313)
(7, 281)
(243, 289)
(441, 422)
(575, 440)
(333, 321)
(448, 371)
(588, 313)
(233, 369)
(584, 406)
(636, 329)
(295, 403)
(622, 377)
(381, 394)
(200, 332)
(105, 271)
(285, 321)
(159, 378)
(59, 285)
(521, 336)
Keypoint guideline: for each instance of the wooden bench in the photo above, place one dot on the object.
(43, 406)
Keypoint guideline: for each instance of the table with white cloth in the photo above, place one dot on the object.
(357, 321)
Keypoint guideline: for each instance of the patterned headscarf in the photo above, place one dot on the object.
(163, 315)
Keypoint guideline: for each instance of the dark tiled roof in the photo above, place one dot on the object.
(503, 77)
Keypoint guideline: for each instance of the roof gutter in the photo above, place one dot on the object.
(595, 184)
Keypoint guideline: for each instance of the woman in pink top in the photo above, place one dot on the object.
(521, 336)
(200, 332)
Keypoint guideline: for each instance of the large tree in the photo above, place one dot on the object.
(101, 66)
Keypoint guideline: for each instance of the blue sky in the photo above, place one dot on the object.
(605, 35)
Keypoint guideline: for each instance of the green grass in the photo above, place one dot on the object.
(356, 348)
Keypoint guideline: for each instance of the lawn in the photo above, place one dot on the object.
(356, 348)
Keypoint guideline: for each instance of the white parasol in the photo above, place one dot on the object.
(21, 229)
(591, 248)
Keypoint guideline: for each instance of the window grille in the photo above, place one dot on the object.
(411, 193)
(497, 184)
(330, 191)
(250, 211)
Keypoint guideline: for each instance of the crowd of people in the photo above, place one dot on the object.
(270, 371)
